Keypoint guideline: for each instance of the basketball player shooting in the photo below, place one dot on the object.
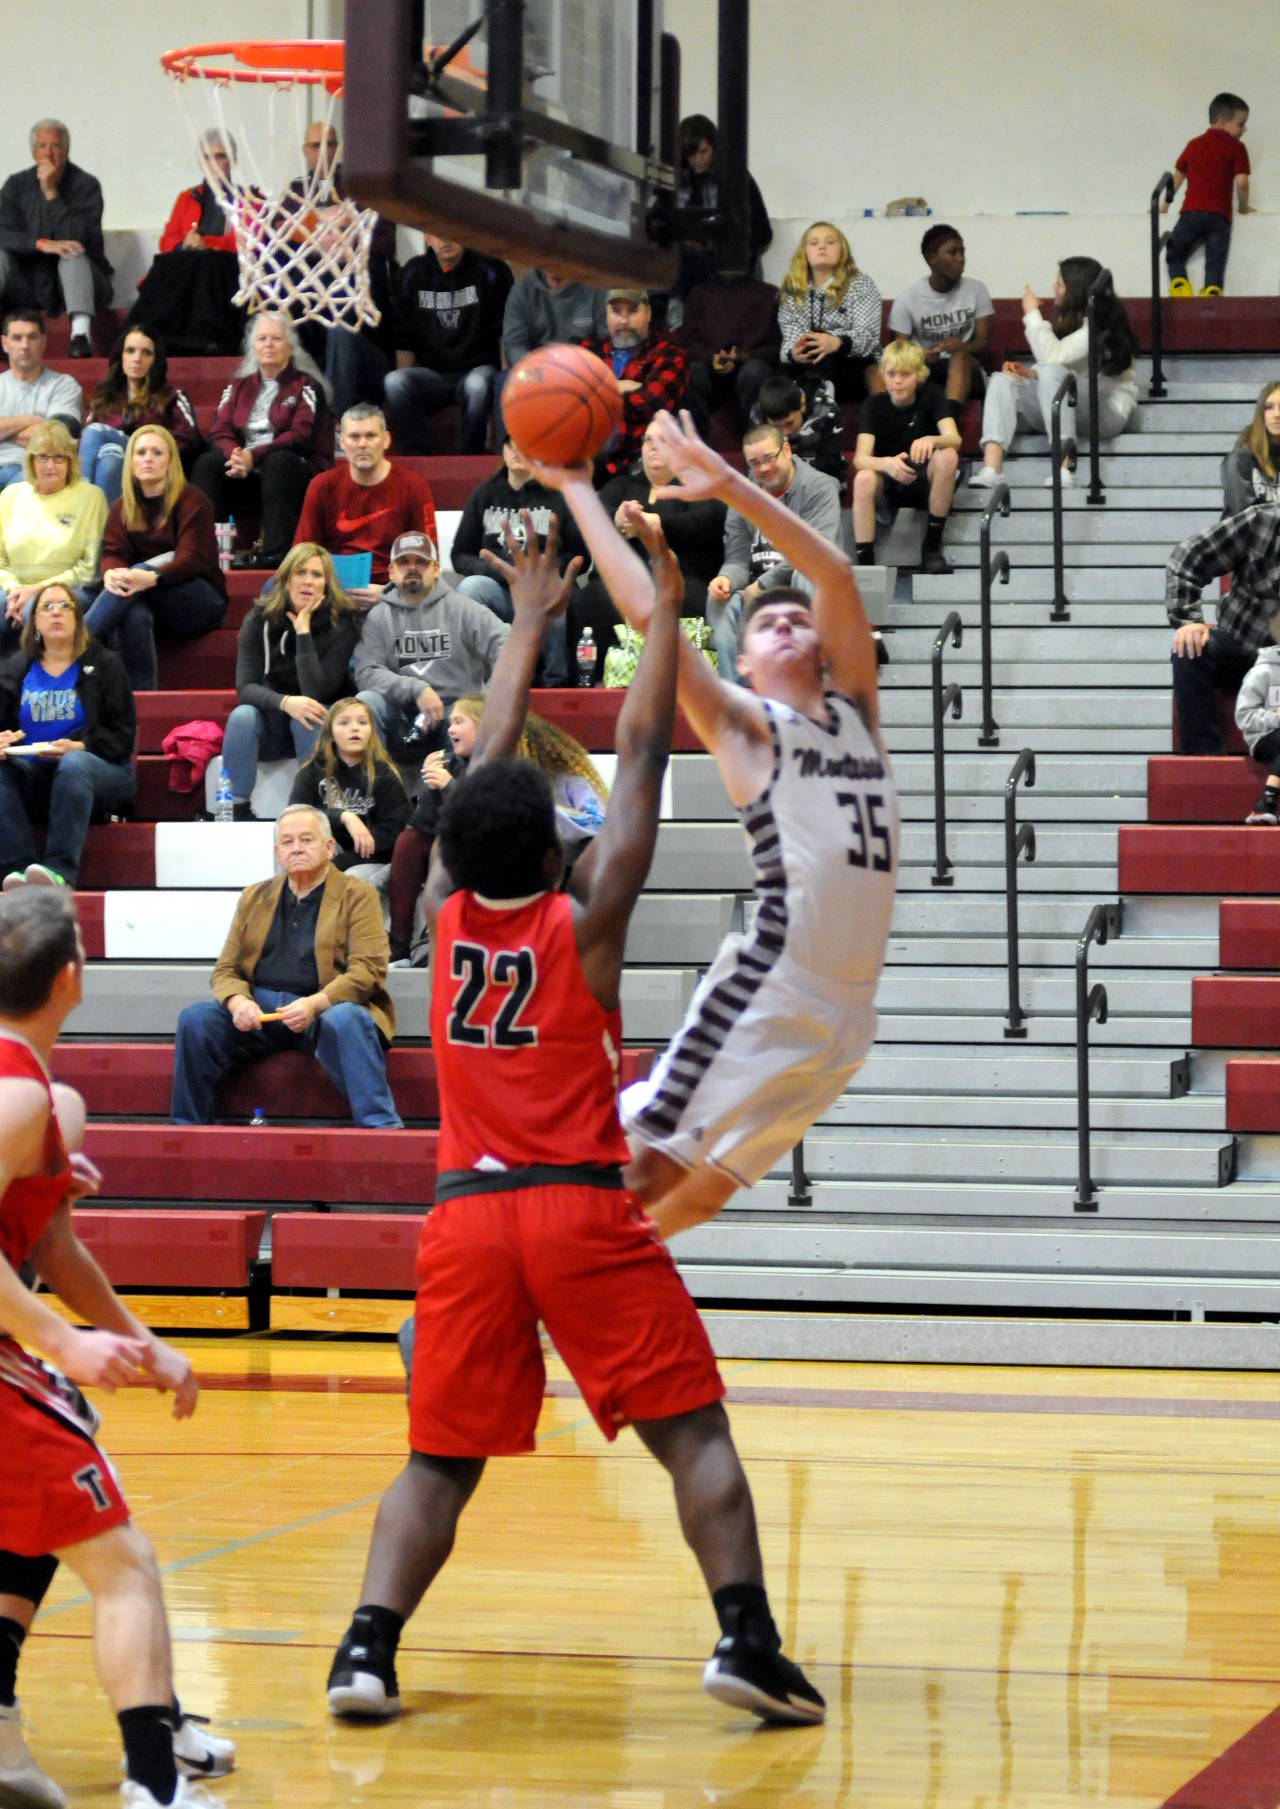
(531, 1219)
(785, 1015)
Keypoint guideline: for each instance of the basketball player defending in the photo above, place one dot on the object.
(531, 1218)
(785, 1015)
(60, 1494)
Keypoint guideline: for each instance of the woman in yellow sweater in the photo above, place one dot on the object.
(50, 526)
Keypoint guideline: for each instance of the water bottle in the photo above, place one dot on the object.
(259, 1121)
(224, 804)
(586, 658)
(419, 732)
(225, 534)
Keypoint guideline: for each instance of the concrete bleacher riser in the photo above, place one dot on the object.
(943, 1178)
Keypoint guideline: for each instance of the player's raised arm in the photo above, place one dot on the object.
(847, 647)
(624, 847)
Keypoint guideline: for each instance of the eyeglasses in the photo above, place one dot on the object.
(54, 609)
(766, 462)
(50, 458)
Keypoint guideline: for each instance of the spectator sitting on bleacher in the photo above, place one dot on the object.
(449, 329)
(365, 503)
(1017, 396)
(1209, 165)
(699, 186)
(187, 293)
(51, 249)
(496, 507)
(815, 433)
(30, 393)
(652, 373)
(1258, 719)
(271, 434)
(949, 315)
(829, 312)
(420, 649)
(1207, 660)
(50, 526)
(694, 531)
(135, 392)
(66, 701)
(310, 945)
(159, 559)
(751, 563)
(350, 778)
(731, 338)
(1251, 470)
(293, 659)
(906, 457)
(545, 308)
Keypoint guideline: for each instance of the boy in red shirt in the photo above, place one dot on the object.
(1208, 166)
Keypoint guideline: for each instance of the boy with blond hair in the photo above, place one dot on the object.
(906, 457)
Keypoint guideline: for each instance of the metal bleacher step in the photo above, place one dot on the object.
(1136, 552)
(1144, 669)
(986, 769)
(1120, 522)
(1202, 1158)
(1046, 992)
(1018, 1068)
(999, 1112)
(977, 1027)
(1192, 954)
(1030, 585)
(1019, 644)
(1034, 500)
(940, 911)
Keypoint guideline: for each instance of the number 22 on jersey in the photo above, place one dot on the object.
(477, 1018)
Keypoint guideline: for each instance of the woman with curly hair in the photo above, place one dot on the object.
(135, 392)
(292, 658)
(1022, 396)
(829, 313)
(1251, 470)
(350, 777)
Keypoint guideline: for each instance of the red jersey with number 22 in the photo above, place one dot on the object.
(527, 1057)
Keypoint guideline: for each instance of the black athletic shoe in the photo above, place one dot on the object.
(79, 346)
(745, 1675)
(362, 1683)
(935, 564)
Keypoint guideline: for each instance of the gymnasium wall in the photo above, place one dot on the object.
(982, 110)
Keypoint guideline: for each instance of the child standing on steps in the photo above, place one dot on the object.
(1209, 165)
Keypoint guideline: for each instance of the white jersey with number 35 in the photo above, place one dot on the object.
(824, 843)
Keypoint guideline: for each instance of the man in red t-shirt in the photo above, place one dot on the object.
(364, 504)
(1209, 165)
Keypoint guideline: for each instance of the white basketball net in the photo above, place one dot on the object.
(302, 249)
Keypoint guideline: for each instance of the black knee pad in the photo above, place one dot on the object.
(26, 1577)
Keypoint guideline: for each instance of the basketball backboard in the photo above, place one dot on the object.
(540, 131)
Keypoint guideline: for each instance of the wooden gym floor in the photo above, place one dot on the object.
(1014, 1587)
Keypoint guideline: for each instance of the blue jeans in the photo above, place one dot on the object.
(411, 394)
(252, 735)
(555, 636)
(356, 367)
(102, 458)
(344, 1040)
(724, 619)
(182, 611)
(1214, 231)
(64, 793)
(10, 474)
(395, 723)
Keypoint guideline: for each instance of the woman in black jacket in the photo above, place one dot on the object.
(292, 658)
(67, 728)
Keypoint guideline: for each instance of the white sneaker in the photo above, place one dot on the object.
(22, 1783)
(200, 1754)
(189, 1796)
(985, 478)
(1068, 480)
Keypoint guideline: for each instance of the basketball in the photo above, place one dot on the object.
(561, 405)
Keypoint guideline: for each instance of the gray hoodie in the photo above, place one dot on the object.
(1258, 702)
(448, 642)
(748, 554)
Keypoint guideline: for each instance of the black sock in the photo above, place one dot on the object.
(148, 1749)
(11, 1638)
(744, 1608)
(371, 1625)
(933, 533)
(865, 552)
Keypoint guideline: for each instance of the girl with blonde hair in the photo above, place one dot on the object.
(350, 777)
(1251, 470)
(829, 313)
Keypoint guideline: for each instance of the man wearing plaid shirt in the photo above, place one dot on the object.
(652, 374)
(1207, 660)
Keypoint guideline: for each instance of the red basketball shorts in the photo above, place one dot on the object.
(56, 1488)
(585, 1261)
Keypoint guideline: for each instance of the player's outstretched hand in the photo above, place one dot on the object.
(171, 1373)
(102, 1359)
(557, 477)
(700, 471)
(534, 578)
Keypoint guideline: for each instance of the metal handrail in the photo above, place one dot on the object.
(1095, 493)
(800, 1194)
(1164, 190)
(1000, 503)
(1105, 922)
(1067, 391)
(1016, 841)
(943, 700)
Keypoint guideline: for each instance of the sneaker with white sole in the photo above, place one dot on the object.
(1068, 480)
(362, 1682)
(189, 1796)
(1264, 811)
(985, 478)
(197, 1752)
(22, 1783)
(747, 1675)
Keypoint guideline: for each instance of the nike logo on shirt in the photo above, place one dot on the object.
(347, 524)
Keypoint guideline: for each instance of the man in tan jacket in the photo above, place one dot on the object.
(304, 966)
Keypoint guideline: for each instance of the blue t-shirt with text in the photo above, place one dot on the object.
(50, 709)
